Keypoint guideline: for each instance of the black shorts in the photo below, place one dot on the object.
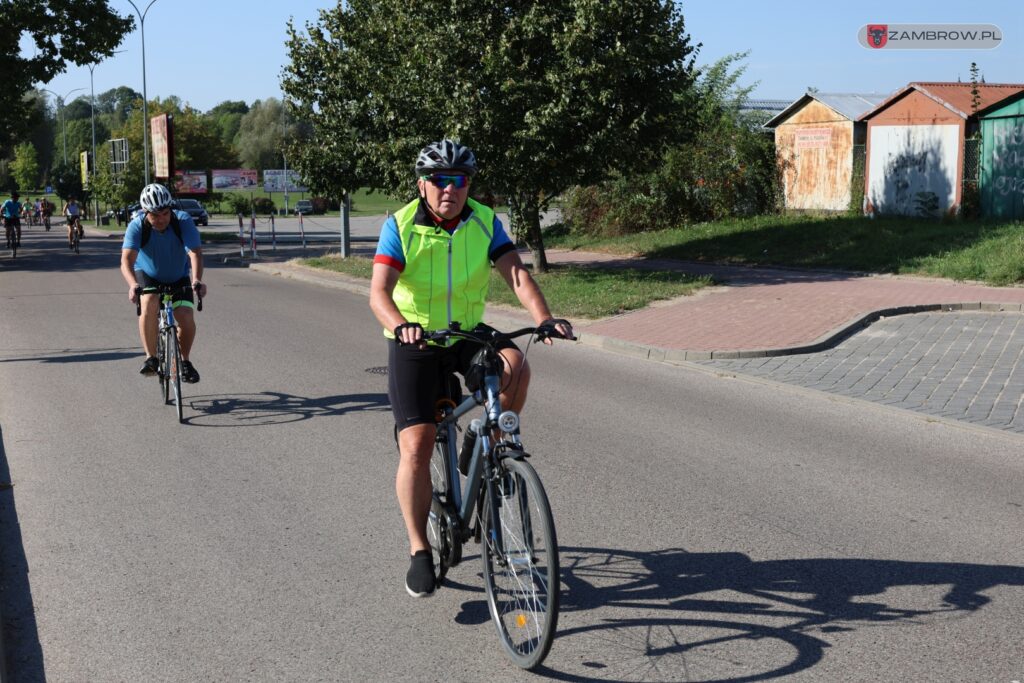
(182, 297)
(414, 376)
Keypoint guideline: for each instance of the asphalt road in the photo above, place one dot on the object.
(712, 526)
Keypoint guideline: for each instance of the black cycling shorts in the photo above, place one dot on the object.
(414, 376)
(182, 297)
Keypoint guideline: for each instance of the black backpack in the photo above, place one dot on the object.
(147, 229)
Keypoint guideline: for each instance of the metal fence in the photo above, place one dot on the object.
(972, 160)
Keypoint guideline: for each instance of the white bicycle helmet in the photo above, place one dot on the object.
(446, 155)
(154, 197)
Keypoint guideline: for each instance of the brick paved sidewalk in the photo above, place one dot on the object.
(766, 311)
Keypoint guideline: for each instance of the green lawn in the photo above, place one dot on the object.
(572, 291)
(988, 251)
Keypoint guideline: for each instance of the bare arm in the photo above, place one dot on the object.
(512, 270)
(128, 257)
(195, 257)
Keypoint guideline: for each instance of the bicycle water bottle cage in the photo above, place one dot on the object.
(478, 368)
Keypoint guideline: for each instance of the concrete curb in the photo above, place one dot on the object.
(647, 352)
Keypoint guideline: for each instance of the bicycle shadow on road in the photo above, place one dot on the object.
(672, 615)
(22, 653)
(274, 407)
(75, 356)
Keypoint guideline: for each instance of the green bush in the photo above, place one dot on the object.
(263, 205)
(239, 203)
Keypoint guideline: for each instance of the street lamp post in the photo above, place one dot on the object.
(145, 108)
(60, 115)
(92, 110)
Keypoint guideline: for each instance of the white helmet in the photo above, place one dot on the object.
(155, 197)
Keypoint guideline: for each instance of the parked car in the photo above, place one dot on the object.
(194, 209)
(304, 206)
(126, 214)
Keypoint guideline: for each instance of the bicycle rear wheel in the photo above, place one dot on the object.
(174, 358)
(77, 241)
(521, 576)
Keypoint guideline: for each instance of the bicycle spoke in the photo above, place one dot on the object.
(521, 567)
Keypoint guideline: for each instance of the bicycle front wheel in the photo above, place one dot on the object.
(521, 564)
(163, 364)
(174, 356)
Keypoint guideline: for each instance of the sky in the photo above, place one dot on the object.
(209, 51)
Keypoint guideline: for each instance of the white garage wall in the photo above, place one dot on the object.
(913, 169)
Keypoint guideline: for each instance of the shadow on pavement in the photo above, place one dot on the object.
(23, 654)
(273, 407)
(75, 356)
(716, 616)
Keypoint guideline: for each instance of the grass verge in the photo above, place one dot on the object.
(571, 291)
(987, 251)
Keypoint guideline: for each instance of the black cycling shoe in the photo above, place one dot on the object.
(188, 372)
(420, 581)
(150, 367)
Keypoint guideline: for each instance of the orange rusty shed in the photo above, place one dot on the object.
(814, 146)
(915, 146)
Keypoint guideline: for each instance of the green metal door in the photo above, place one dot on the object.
(1002, 168)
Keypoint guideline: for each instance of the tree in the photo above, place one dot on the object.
(261, 134)
(975, 93)
(25, 168)
(117, 103)
(549, 94)
(196, 144)
(227, 116)
(59, 32)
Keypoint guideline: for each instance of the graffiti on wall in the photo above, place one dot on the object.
(1008, 160)
(913, 169)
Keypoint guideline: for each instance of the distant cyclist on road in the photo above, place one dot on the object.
(432, 267)
(162, 247)
(73, 212)
(11, 211)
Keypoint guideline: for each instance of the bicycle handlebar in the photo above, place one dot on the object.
(543, 331)
(166, 289)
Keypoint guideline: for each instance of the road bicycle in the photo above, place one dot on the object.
(490, 493)
(168, 352)
(11, 237)
(75, 226)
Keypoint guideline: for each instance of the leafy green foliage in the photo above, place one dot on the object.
(60, 32)
(262, 134)
(725, 167)
(548, 94)
(25, 168)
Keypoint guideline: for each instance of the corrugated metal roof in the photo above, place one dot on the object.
(954, 96)
(849, 105)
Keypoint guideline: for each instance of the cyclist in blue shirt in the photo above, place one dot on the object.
(11, 211)
(162, 247)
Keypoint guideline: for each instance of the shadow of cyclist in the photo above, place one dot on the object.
(727, 607)
(274, 407)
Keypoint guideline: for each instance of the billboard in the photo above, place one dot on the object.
(274, 180)
(190, 182)
(163, 145)
(85, 166)
(234, 178)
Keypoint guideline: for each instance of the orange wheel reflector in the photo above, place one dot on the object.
(520, 620)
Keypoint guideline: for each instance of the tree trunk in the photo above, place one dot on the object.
(524, 210)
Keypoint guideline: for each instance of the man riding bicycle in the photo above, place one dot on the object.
(162, 247)
(432, 268)
(11, 211)
(73, 212)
